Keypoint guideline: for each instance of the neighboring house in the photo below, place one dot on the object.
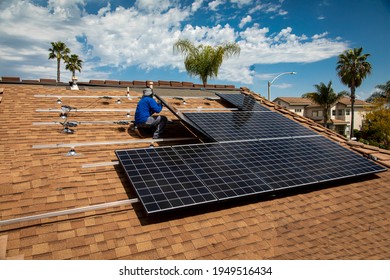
(340, 115)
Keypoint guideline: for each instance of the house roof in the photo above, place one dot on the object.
(358, 102)
(296, 101)
(92, 214)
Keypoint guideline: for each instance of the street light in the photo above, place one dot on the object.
(270, 83)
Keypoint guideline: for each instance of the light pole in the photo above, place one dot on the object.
(270, 83)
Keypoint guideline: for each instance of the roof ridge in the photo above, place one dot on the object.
(117, 83)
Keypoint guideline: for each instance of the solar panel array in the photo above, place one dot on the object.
(243, 125)
(242, 101)
(257, 152)
(179, 176)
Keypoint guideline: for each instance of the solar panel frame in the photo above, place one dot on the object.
(245, 125)
(242, 101)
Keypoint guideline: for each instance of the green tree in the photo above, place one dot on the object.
(73, 64)
(325, 97)
(376, 128)
(58, 51)
(204, 60)
(352, 68)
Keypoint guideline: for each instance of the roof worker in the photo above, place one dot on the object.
(146, 107)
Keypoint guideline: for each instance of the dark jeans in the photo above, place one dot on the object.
(159, 122)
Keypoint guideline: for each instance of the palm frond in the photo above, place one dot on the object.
(204, 60)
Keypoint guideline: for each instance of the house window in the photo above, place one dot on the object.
(298, 110)
(333, 112)
(347, 112)
(339, 112)
(316, 114)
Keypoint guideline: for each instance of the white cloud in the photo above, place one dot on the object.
(139, 36)
(64, 8)
(244, 21)
(282, 12)
(241, 2)
(196, 5)
(152, 5)
(213, 5)
(282, 85)
(319, 36)
(274, 8)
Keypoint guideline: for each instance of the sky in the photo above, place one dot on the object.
(133, 40)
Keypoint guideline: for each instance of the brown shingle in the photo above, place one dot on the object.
(345, 219)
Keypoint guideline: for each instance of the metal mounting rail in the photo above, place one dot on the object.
(83, 96)
(120, 122)
(86, 110)
(73, 145)
(208, 109)
(68, 211)
(100, 164)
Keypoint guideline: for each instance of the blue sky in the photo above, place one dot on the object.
(132, 40)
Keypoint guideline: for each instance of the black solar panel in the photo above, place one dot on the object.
(175, 177)
(221, 171)
(287, 163)
(162, 180)
(240, 125)
(242, 101)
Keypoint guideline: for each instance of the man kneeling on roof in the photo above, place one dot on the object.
(146, 107)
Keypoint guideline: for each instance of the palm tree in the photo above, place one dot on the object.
(326, 97)
(353, 68)
(73, 64)
(204, 60)
(58, 51)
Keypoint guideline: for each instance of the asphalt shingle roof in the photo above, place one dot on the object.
(347, 219)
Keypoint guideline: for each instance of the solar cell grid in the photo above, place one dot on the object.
(336, 160)
(239, 125)
(162, 180)
(286, 163)
(267, 159)
(242, 101)
(221, 171)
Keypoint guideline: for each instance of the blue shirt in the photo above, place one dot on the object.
(146, 107)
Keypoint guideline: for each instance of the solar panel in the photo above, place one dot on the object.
(287, 163)
(243, 125)
(221, 171)
(162, 180)
(242, 101)
(181, 176)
